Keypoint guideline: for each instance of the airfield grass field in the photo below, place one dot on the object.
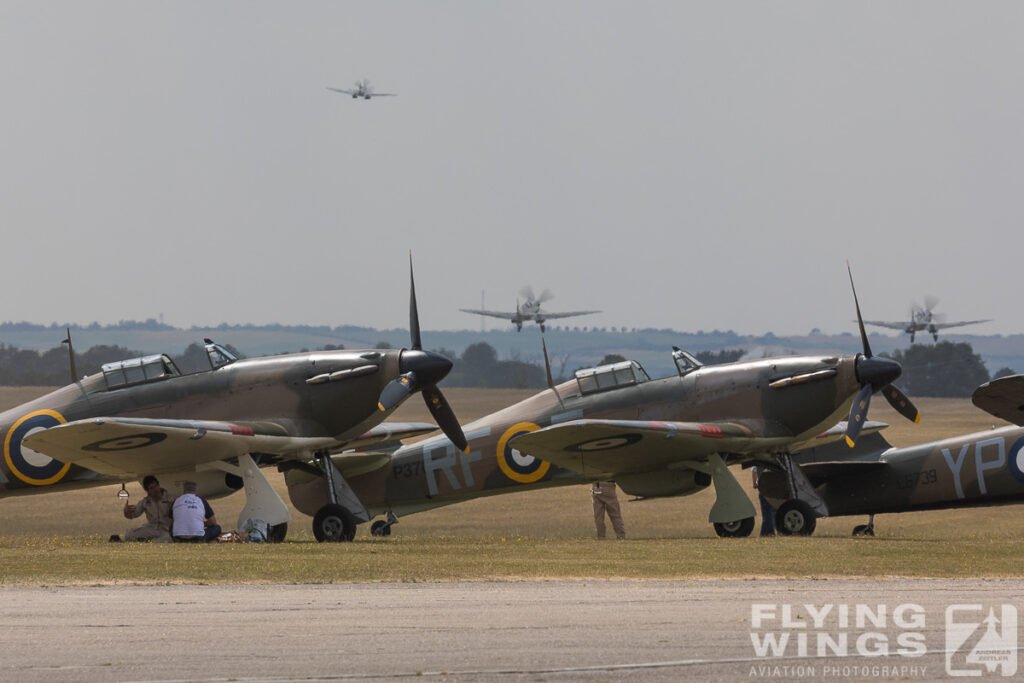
(61, 538)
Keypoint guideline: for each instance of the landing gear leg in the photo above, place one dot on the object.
(865, 529)
(383, 527)
(337, 520)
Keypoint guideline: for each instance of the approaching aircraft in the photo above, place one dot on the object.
(666, 437)
(219, 426)
(365, 90)
(923, 319)
(528, 310)
(983, 468)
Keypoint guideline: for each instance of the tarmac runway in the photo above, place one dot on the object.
(723, 630)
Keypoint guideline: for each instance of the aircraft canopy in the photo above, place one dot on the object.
(124, 373)
(605, 377)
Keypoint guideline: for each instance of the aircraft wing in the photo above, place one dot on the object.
(389, 433)
(942, 326)
(495, 314)
(891, 326)
(132, 447)
(1003, 397)
(551, 316)
(615, 447)
(383, 94)
(347, 92)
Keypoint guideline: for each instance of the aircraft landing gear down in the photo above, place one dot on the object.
(382, 527)
(333, 523)
(795, 518)
(865, 529)
(336, 521)
(739, 529)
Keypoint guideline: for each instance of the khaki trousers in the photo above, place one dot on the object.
(606, 500)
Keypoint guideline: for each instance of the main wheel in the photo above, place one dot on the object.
(795, 517)
(863, 530)
(334, 523)
(277, 532)
(380, 528)
(738, 529)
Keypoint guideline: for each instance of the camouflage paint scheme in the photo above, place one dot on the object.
(654, 437)
(268, 396)
(979, 469)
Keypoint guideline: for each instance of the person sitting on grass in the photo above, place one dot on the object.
(193, 519)
(157, 508)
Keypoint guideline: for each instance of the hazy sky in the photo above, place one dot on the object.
(676, 164)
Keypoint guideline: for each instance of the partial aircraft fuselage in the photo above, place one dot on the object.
(433, 473)
(319, 394)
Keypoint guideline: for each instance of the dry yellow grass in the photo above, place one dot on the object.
(59, 538)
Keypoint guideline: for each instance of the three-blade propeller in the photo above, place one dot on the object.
(874, 374)
(421, 371)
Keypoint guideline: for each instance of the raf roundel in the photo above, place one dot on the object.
(1015, 460)
(27, 465)
(520, 467)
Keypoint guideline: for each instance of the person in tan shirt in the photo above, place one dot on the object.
(157, 508)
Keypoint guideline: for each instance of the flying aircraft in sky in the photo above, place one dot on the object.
(528, 310)
(983, 468)
(922, 318)
(663, 437)
(219, 426)
(365, 90)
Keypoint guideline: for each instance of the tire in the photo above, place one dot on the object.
(795, 518)
(738, 529)
(380, 528)
(334, 524)
(863, 530)
(277, 532)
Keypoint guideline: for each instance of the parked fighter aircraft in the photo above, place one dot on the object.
(667, 437)
(363, 89)
(528, 310)
(923, 319)
(142, 416)
(984, 468)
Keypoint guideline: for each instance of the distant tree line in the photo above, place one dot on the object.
(478, 366)
(945, 369)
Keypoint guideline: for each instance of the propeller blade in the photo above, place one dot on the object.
(930, 302)
(899, 401)
(860, 320)
(395, 391)
(858, 413)
(414, 315)
(445, 417)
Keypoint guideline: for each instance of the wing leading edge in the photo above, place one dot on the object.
(615, 447)
(132, 447)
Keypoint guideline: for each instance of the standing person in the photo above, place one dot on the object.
(606, 499)
(767, 511)
(157, 508)
(193, 517)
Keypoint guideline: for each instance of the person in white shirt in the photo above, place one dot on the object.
(193, 517)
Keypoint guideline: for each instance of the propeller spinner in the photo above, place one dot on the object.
(874, 374)
(422, 371)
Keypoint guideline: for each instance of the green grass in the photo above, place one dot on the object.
(93, 561)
